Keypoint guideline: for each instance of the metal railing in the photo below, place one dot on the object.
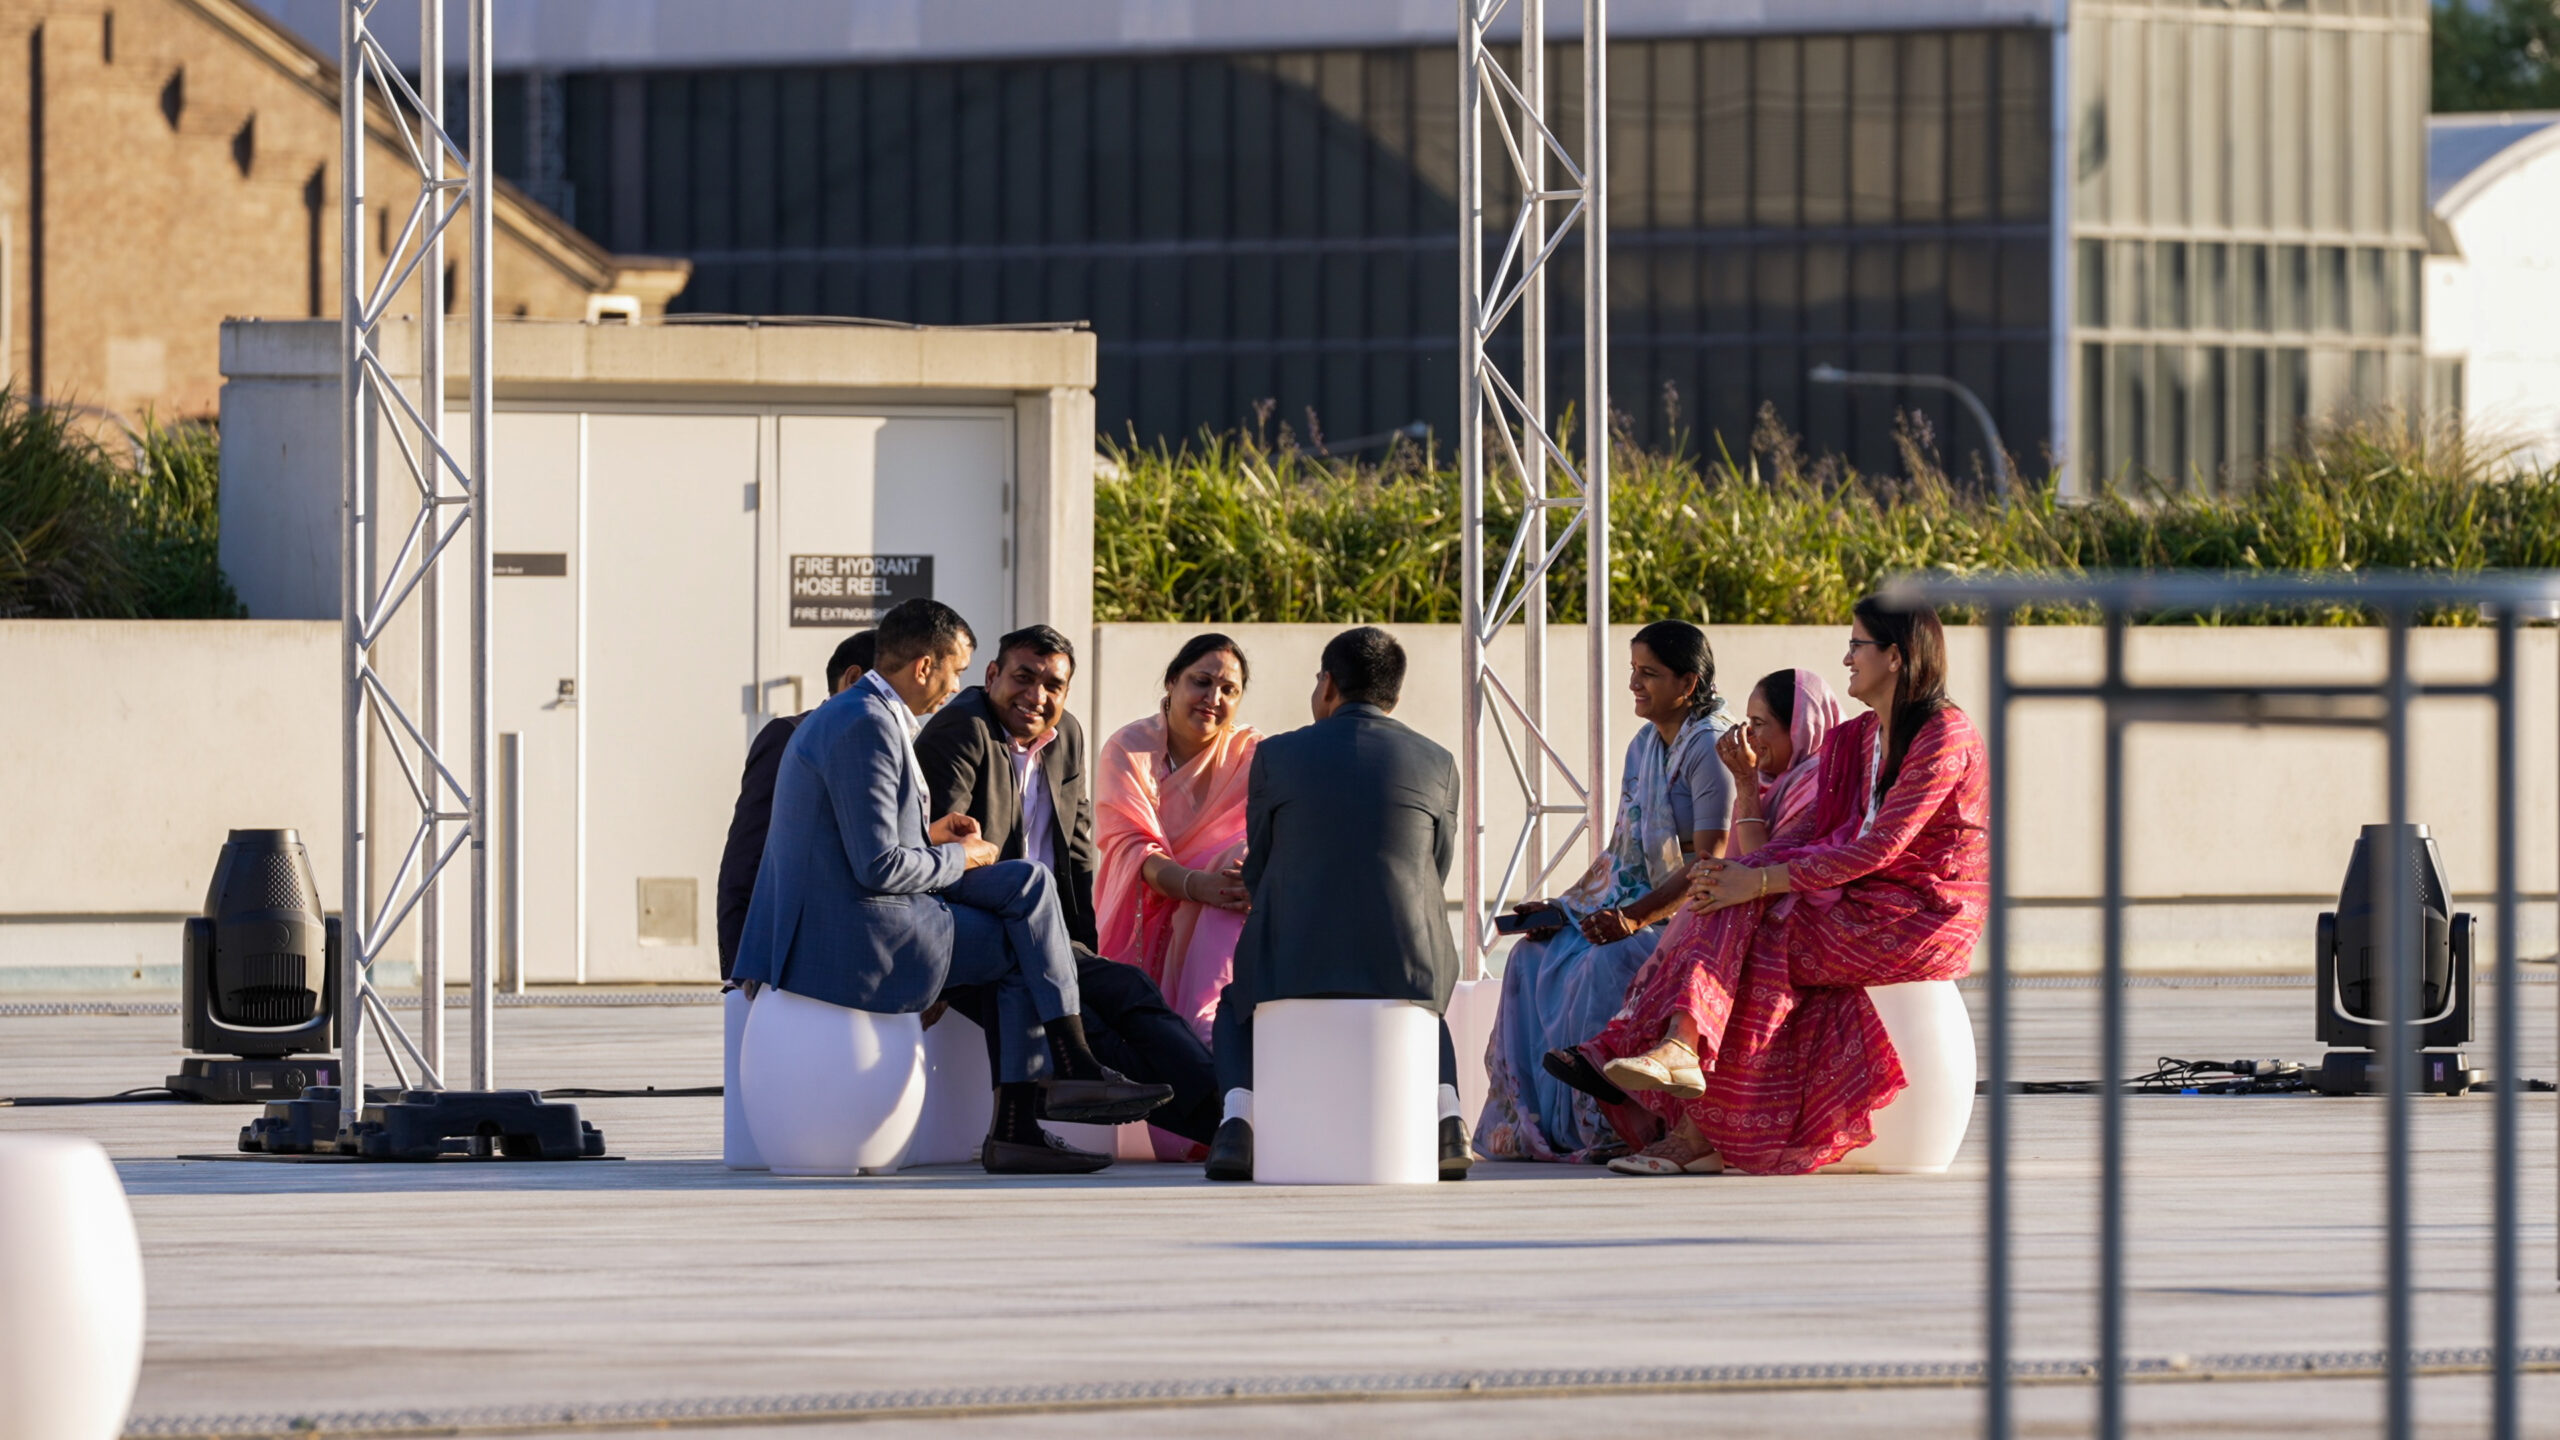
(2374, 706)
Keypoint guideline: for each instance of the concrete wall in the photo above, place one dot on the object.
(133, 746)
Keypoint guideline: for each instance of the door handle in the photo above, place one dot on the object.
(765, 694)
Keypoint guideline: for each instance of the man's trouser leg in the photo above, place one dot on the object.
(1005, 929)
(1231, 1041)
(1134, 1032)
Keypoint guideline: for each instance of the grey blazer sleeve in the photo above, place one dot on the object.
(864, 768)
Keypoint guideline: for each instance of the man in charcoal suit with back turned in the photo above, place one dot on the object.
(1009, 756)
(1351, 825)
(863, 902)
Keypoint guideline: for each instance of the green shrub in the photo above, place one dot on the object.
(93, 530)
(1235, 528)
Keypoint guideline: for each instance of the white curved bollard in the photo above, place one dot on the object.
(737, 1143)
(1919, 1131)
(1345, 1092)
(70, 1292)
(830, 1091)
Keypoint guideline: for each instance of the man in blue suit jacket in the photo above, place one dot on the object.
(865, 902)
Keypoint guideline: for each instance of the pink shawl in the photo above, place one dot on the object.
(1195, 816)
(1788, 799)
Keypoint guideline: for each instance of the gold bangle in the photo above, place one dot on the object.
(1764, 884)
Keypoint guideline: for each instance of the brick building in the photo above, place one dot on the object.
(167, 163)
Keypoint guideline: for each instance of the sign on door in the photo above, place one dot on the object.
(841, 590)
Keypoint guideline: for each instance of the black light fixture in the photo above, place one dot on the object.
(2351, 970)
(258, 994)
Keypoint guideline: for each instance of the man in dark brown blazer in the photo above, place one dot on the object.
(1009, 756)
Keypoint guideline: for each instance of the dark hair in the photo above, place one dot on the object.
(1920, 692)
(854, 653)
(1778, 687)
(1041, 641)
(1367, 666)
(1199, 647)
(914, 629)
(1684, 648)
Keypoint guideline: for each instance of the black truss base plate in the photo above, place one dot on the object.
(210, 1081)
(426, 1125)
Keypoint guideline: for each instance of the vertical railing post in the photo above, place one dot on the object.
(2505, 1263)
(2111, 1054)
(1533, 399)
(431, 585)
(1595, 408)
(355, 539)
(481, 195)
(2396, 918)
(511, 861)
(1471, 466)
(1996, 1424)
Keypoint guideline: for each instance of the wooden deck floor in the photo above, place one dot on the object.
(297, 1289)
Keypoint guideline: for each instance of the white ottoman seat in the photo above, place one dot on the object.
(830, 1091)
(70, 1292)
(737, 1143)
(1345, 1092)
(1919, 1131)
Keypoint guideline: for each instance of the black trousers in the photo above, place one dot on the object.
(1233, 1032)
(1134, 1032)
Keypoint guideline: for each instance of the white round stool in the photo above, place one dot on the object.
(830, 1091)
(1919, 1130)
(70, 1292)
(1345, 1092)
(737, 1143)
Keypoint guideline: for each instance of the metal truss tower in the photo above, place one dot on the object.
(1511, 411)
(394, 555)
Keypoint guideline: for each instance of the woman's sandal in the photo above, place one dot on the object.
(1673, 1154)
(1654, 1070)
(1571, 1067)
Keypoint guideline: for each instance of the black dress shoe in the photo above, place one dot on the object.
(1057, 1157)
(1455, 1155)
(1110, 1099)
(1231, 1153)
(1574, 1068)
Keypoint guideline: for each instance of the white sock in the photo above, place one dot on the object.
(1449, 1102)
(1239, 1106)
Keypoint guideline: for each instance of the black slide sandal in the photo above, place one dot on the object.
(1575, 1069)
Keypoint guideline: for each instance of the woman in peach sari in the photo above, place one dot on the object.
(1169, 820)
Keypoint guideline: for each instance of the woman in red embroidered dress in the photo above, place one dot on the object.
(1754, 1027)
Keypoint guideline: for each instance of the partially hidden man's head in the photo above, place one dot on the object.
(1360, 667)
(851, 662)
(920, 647)
(1027, 681)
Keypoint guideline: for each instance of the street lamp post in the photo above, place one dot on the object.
(1834, 375)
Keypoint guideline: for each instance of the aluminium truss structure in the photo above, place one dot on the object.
(393, 561)
(1559, 498)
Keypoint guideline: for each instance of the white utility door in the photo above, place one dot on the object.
(533, 621)
(533, 617)
(669, 683)
(870, 510)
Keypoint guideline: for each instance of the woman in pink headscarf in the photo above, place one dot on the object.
(1775, 756)
(1169, 820)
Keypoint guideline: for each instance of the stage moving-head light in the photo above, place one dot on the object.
(260, 979)
(2351, 967)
